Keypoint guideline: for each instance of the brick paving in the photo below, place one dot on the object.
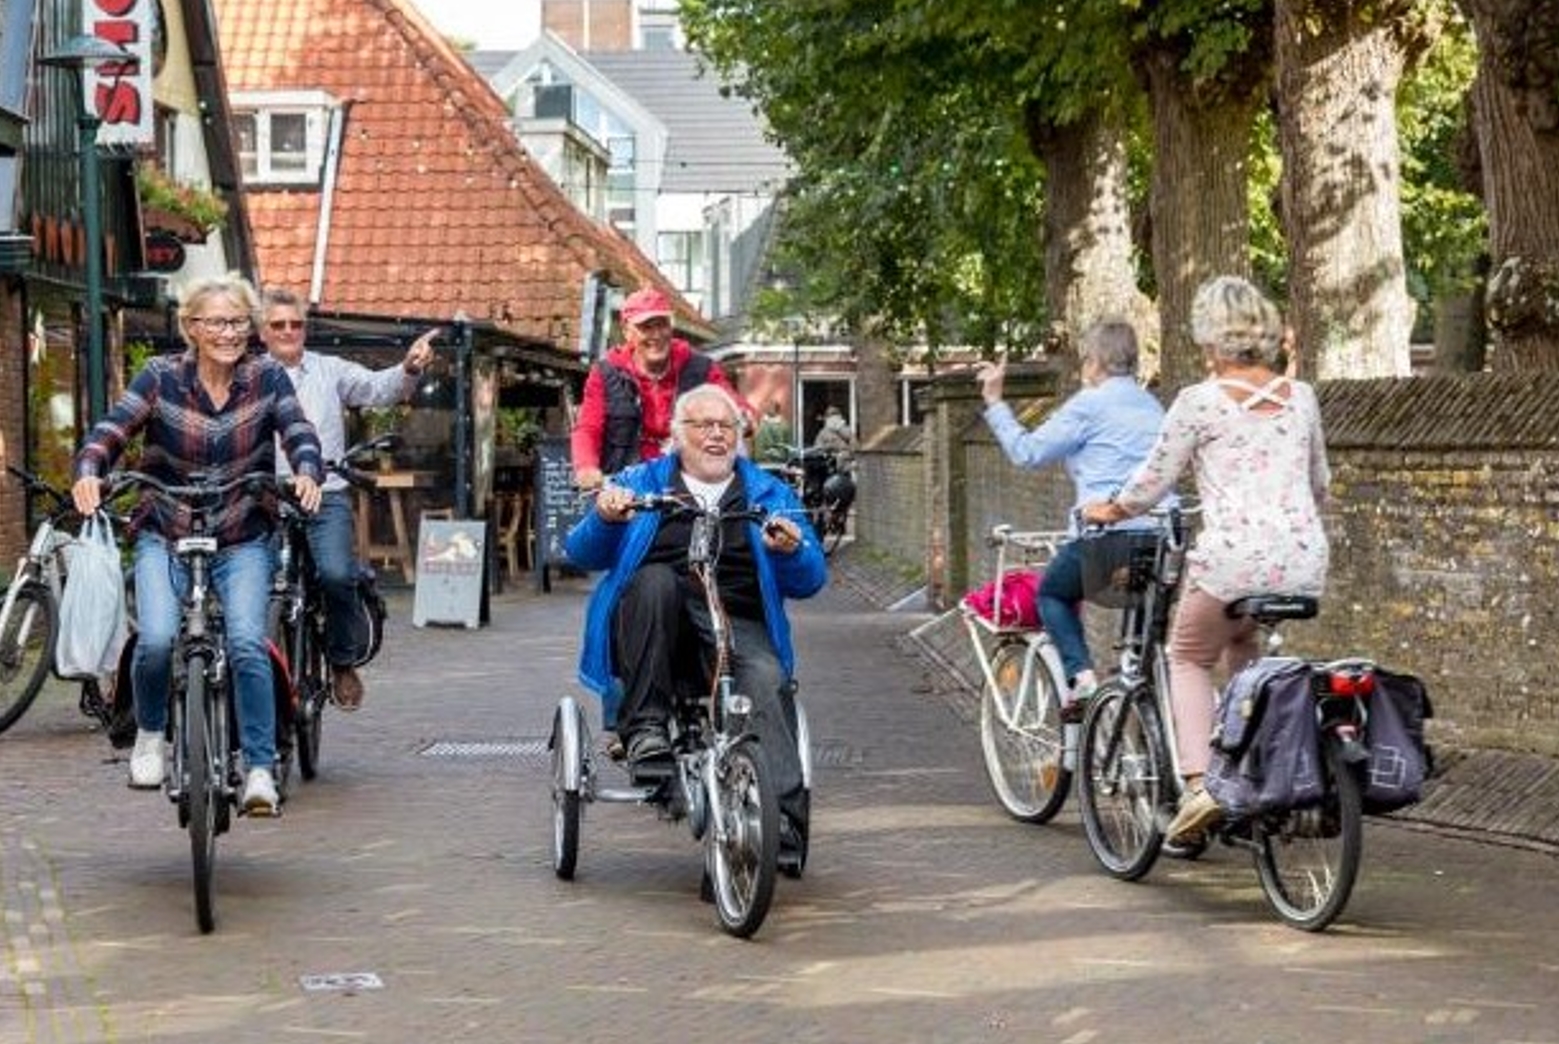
(422, 856)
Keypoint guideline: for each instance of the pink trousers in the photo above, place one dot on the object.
(1199, 638)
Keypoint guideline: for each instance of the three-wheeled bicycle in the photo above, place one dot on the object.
(716, 777)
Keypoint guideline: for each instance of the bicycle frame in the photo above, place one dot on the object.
(1144, 629)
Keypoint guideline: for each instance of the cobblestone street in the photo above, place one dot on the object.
(421, 856)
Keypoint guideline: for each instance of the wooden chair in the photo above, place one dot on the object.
(513, 528)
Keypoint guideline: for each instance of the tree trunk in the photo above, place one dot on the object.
(1201, 214)
(1458, 333)
(1338, 68)
(876, 388)
(1087, 233)
(1515, 112)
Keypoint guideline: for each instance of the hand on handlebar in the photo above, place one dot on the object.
(308, 493)
(614, 504)
(1102, 512)
(781, 535)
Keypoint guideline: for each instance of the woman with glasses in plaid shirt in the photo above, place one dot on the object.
(216, 410)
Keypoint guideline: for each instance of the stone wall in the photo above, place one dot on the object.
(1444, 524)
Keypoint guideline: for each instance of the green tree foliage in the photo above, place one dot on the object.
(1443, 223)
(916, 208)
(919, 204)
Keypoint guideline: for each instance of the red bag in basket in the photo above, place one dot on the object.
(1019, 599)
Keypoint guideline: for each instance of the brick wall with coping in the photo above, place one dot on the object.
(1443, 520)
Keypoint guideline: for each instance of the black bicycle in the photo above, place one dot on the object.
(826, 488)
(1129, 779)
(297, 620)
(204, 778)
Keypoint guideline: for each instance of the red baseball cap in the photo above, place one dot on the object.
(648, 303)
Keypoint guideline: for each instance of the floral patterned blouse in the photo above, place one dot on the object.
(1262, 478)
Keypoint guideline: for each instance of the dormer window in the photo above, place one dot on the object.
(282, 135)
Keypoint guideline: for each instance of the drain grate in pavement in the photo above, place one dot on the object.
(833, 754)
(520, 748)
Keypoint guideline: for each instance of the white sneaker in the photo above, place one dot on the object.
(148, 761)
(260, 793)
(1084, 684)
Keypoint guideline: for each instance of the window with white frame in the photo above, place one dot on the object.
(282, 135)
(681, 258)
(659, 29)
(621, 209)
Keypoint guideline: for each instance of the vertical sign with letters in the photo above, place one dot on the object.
(121, 92)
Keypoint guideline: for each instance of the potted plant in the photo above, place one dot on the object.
(188, 212)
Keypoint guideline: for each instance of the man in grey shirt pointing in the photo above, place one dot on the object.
(326, 385)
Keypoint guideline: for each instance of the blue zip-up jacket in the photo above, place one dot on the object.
(596, 544)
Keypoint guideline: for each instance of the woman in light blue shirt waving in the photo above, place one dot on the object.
(1100, 435)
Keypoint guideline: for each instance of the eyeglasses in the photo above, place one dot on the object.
(278, 325)
(222, 324)
(722, 426)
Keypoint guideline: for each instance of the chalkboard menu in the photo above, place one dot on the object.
(558, 505)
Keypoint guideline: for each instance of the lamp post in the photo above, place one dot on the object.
(78, 54)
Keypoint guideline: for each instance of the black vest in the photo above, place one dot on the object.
(624, 418)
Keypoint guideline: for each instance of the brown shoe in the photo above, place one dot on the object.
(348, 689)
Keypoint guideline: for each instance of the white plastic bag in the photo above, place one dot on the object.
(93, 623)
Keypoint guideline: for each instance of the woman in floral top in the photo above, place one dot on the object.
(1253, 437)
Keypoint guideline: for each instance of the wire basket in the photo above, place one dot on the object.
(1118, 567)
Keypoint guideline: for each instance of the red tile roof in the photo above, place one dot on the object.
(438, 208)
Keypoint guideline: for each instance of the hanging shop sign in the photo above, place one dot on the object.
(164, 252)
(121, 92)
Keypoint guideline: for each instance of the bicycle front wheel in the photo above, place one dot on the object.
(1308, 859)
(27, 638)
(1122, 785)
(1021, 735)
(202, 789)
(743, 847)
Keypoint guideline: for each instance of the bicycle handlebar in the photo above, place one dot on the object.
(677, 504)
(117, 482)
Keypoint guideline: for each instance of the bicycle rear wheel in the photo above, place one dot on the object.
(202, 789)
(313, 694)
(835, 521)
(26, 644)
(743, 846)
(1122, 786)
(1308, 859)
(1021, 735)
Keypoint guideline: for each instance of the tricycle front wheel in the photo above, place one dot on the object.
(743, 846)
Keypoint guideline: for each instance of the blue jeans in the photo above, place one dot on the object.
(331, 539)
(241, 577)
(1060, 596)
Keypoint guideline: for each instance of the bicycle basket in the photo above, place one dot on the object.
(1117, 567)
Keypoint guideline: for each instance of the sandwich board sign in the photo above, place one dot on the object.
(451, 561)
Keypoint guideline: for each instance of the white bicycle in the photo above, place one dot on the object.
(30, 615)
(1030, 751)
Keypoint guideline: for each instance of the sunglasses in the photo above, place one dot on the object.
(278, 325)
